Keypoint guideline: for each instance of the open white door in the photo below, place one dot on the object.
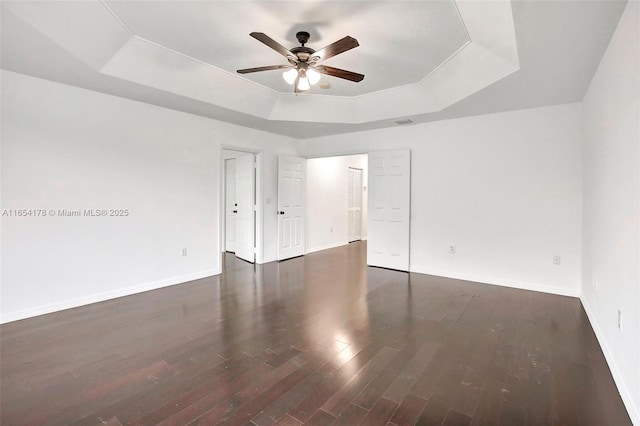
(354, 208)
(230, 205)
(389, 208)
(245, 222)
(291, 206)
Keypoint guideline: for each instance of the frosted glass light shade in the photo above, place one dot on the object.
(303, 84)
(290, 75)
(313, 76)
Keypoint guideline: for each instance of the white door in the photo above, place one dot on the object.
(291, 206)
(354, 208)
(245, 218)
(230, 205)
(389, 208)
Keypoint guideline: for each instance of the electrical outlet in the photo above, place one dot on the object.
(556, 260)
(619, 319)
(183, 252)
(452, 249)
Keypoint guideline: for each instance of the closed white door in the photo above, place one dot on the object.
(354, 209)
(291, 206)
(230, 205)
(245, 218)
(389, 209)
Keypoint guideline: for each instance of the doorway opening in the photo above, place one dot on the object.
(239, 204)
(385, 205)
(337, 200)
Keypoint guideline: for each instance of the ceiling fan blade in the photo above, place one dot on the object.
(337, 72)
(267, 68)
(340, 46)
(262, 37)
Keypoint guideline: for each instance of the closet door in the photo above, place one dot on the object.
(389, 209)
(230, 205)
(354, 209)
(291, 206)
(245, 220)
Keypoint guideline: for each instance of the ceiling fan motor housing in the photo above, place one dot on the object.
(303, 53)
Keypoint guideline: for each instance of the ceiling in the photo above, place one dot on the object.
(426, 36)
(423, 60)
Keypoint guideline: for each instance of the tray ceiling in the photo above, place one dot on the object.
(424, 60)
(393, 52)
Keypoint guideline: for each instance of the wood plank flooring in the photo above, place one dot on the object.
(317, 340)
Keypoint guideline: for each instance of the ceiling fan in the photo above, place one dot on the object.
(303, 68)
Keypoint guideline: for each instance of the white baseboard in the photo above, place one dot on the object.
(327, 246)
(632, 409)
(500, 282)
(101, 297)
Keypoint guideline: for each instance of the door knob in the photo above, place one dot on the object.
(281, 212)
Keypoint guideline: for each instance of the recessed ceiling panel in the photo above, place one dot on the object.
(401, 42)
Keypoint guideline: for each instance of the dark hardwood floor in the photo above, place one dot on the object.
(320, 339)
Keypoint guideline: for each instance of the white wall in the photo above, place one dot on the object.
(611, 246)
(327, 200)
(70, 148)
(504, 188)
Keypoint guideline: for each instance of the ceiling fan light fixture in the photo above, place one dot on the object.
(290, 75)
(303, 84)
(313, 76)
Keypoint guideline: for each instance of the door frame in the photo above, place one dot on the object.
(258, 218)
